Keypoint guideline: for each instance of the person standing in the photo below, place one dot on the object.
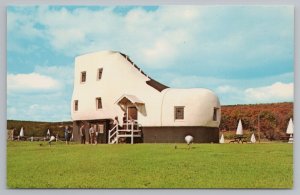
(96, 134)
(69, 134)
(66, 134)
(124, 120)
(116, 122)
(92, 134)
(82, 134)
(87, 133)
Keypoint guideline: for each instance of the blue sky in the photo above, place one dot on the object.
(245, 54)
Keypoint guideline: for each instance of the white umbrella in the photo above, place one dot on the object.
(222, 139)
(290, 128)
(22, 132)
(239, 130)
(253, 140)
(48, 132)
(290, 131)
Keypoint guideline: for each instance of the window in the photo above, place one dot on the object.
(215, 115)
(100, 70)
(98, 103)
(179, 113)
(101, 128)
(76, 105)
(83, 77)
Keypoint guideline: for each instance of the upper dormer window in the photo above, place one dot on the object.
(83, 77)
(99, 75)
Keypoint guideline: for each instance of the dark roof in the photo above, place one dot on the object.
(153, 83)
(156, 85)
(123, 54)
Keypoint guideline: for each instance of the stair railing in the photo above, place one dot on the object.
(114, 132)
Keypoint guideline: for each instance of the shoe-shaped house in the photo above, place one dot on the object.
(108, 84)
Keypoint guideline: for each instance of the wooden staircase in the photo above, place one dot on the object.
(132, 130)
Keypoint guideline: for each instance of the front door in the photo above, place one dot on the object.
(132, 113)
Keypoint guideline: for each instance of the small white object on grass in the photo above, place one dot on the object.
(52, 138)
(189, 139)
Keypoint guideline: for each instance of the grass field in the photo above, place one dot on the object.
(30, 165)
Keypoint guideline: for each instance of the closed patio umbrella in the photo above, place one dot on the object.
(222, 139)
(290, 128)
(290, 131)
(239, 130)
(253, 139)
(22, 132)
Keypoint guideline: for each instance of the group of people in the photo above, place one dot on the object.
(125, 121)
(92, 131)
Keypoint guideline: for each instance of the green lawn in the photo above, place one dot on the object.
(30, 165)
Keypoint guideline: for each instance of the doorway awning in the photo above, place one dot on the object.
(125, 99)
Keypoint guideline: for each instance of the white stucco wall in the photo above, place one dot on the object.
(198, 106)
(120, 77)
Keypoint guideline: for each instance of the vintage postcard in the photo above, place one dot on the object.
(169, 96)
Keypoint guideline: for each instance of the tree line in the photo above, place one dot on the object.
(270, 119)
(38, 129)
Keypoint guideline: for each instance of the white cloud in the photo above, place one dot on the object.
(155, 35)
(226, 89)
(277, 91)
(200, 46)
(64, 74)
(168, 36)
(39, 111)
(31, 82)
(45, 91)
(277, 88)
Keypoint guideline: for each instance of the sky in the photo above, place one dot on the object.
(245, 54)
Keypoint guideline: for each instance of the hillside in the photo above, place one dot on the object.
(273, 118)
(273, 121)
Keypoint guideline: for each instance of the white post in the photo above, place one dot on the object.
(131, 132)
(117, 134)
(126, 117)
(109, 136)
